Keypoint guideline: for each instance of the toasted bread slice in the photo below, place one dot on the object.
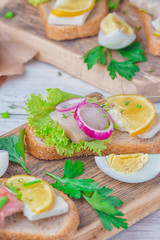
(61, 227)
(152, 41)
(89, 28)
(121, 143)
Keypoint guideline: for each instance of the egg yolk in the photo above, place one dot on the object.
(127, 164)
(110, 23)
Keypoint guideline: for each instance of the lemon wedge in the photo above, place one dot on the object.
(128, 163)
(137, 111)
(72, 8)
(37, 194)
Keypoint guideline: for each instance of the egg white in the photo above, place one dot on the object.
(116, 39)
(149, 171)
(4, 162)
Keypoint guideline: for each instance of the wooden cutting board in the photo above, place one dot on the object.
(27, 27)
(139, 200)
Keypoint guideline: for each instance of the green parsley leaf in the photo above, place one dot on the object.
(73, 187)
(5, 114)
(133, 52)
(105, 205)
(15, 146)
(95, 55)
(112, 5)
(97, 197)
(125, 69)
(3, 201)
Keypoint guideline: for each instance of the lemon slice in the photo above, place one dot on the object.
(157, 34)
(72, 8)
(38, 196)
(137, 111)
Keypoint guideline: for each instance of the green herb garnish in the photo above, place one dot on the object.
(28, 184)
(12, 106)
(139, 106)
(5, 114)
(133, 53)
(73, 187)
(127, 103)
(125, 69)
(95, 55)
(3, 201)
(97, 197)
(151, 71)
(9, 15)
(59, 74)
(64, 116)
(112, 5)
(15, 146)
(16, 191)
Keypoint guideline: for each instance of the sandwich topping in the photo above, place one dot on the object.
(151, 7)
(35, 197)
(9, 204)
(70, 12)
(115, 33)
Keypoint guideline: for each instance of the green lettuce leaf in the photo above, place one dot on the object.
(52, 134)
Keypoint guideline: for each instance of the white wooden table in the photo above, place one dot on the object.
(38, 77)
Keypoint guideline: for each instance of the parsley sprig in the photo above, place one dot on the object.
(98, 198)
(133, 53)
(73, 187)
(14, 145)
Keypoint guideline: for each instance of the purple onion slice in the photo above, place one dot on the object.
(94, 121)
(70, 104)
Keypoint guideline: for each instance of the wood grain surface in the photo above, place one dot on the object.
(27, 27)
(139, 200)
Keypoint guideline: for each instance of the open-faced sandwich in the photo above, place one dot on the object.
(70, 19)
(68, 125)
(149, 11)
(31, 209)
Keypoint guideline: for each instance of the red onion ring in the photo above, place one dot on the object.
(70, 104)
(90, 131)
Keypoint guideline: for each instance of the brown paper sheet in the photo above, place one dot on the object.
(13, 55)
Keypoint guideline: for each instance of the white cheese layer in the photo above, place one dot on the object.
(151, 131)
(156, 24)
(73, 21)
(60, 207)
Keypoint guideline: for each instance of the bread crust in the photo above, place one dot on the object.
(65, 234)
(121, 143)
(152, 41)
(89, 28)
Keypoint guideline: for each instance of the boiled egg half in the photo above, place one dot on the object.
(130, 168)
(115, 33)
(4, 162)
